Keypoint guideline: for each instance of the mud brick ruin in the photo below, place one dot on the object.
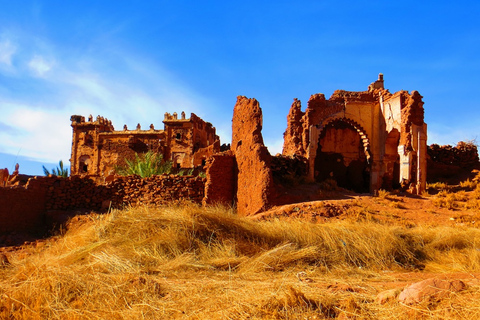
(97, 148)
(364, 140)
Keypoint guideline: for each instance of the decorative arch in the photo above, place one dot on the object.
(356, 126)
(335, 160)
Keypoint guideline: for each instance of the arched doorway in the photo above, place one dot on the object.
(343, 155)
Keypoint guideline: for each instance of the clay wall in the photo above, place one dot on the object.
(446, 162)
(115, 148)
(201, 155)
(76, 192)
(184, 137)
(221, 183)
(204, 134)
(24, 208)
(156, 190)
(463, 155)
(179, 139)
(286, 168)
(293, 141)
(255, 188)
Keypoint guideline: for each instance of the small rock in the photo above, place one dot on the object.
(430, 289)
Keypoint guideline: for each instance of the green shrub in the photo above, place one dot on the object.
(145, 165)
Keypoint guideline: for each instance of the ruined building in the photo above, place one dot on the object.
(97, 148)
(364, 140)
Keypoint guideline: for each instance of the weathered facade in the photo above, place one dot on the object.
(364, 140)
(97, 148)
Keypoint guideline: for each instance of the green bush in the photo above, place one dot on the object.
(146, 165)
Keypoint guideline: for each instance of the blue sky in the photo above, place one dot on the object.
(132, 61)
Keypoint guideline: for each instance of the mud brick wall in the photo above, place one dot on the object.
(22, 208)
(156, 190)
(75, 193)
(463, 155)
(255, 188)
(221, 181)
(83, 193)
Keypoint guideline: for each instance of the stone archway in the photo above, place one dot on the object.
(343, 154)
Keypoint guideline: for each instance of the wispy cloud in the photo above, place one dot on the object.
(56, 85)
(39, 134)
(39, 66)
(7, 50)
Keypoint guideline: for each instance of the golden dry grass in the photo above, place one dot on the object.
(187, 262)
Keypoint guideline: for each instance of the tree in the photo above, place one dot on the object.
(59, 171)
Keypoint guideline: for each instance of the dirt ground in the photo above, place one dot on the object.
(395, 208)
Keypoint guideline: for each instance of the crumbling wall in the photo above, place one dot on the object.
(390, 127)
(22, 208)
(116, 148)
(201, 155)
(221, 184)
(25, 208)
(297, 134)
(292, 138)
(75, 192)
(412, 113)
(156, 190)
(255, 188)
(464, 154)
(445, 162)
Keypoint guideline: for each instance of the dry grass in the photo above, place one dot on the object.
(193, 263)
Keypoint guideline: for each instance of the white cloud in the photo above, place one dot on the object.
(39, 66)
(7, 50)
(40, 134)
(66, 85)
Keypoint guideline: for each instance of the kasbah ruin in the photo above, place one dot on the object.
(364, 141)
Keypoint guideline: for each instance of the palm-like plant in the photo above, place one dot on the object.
(146, 165)
(59, 171)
